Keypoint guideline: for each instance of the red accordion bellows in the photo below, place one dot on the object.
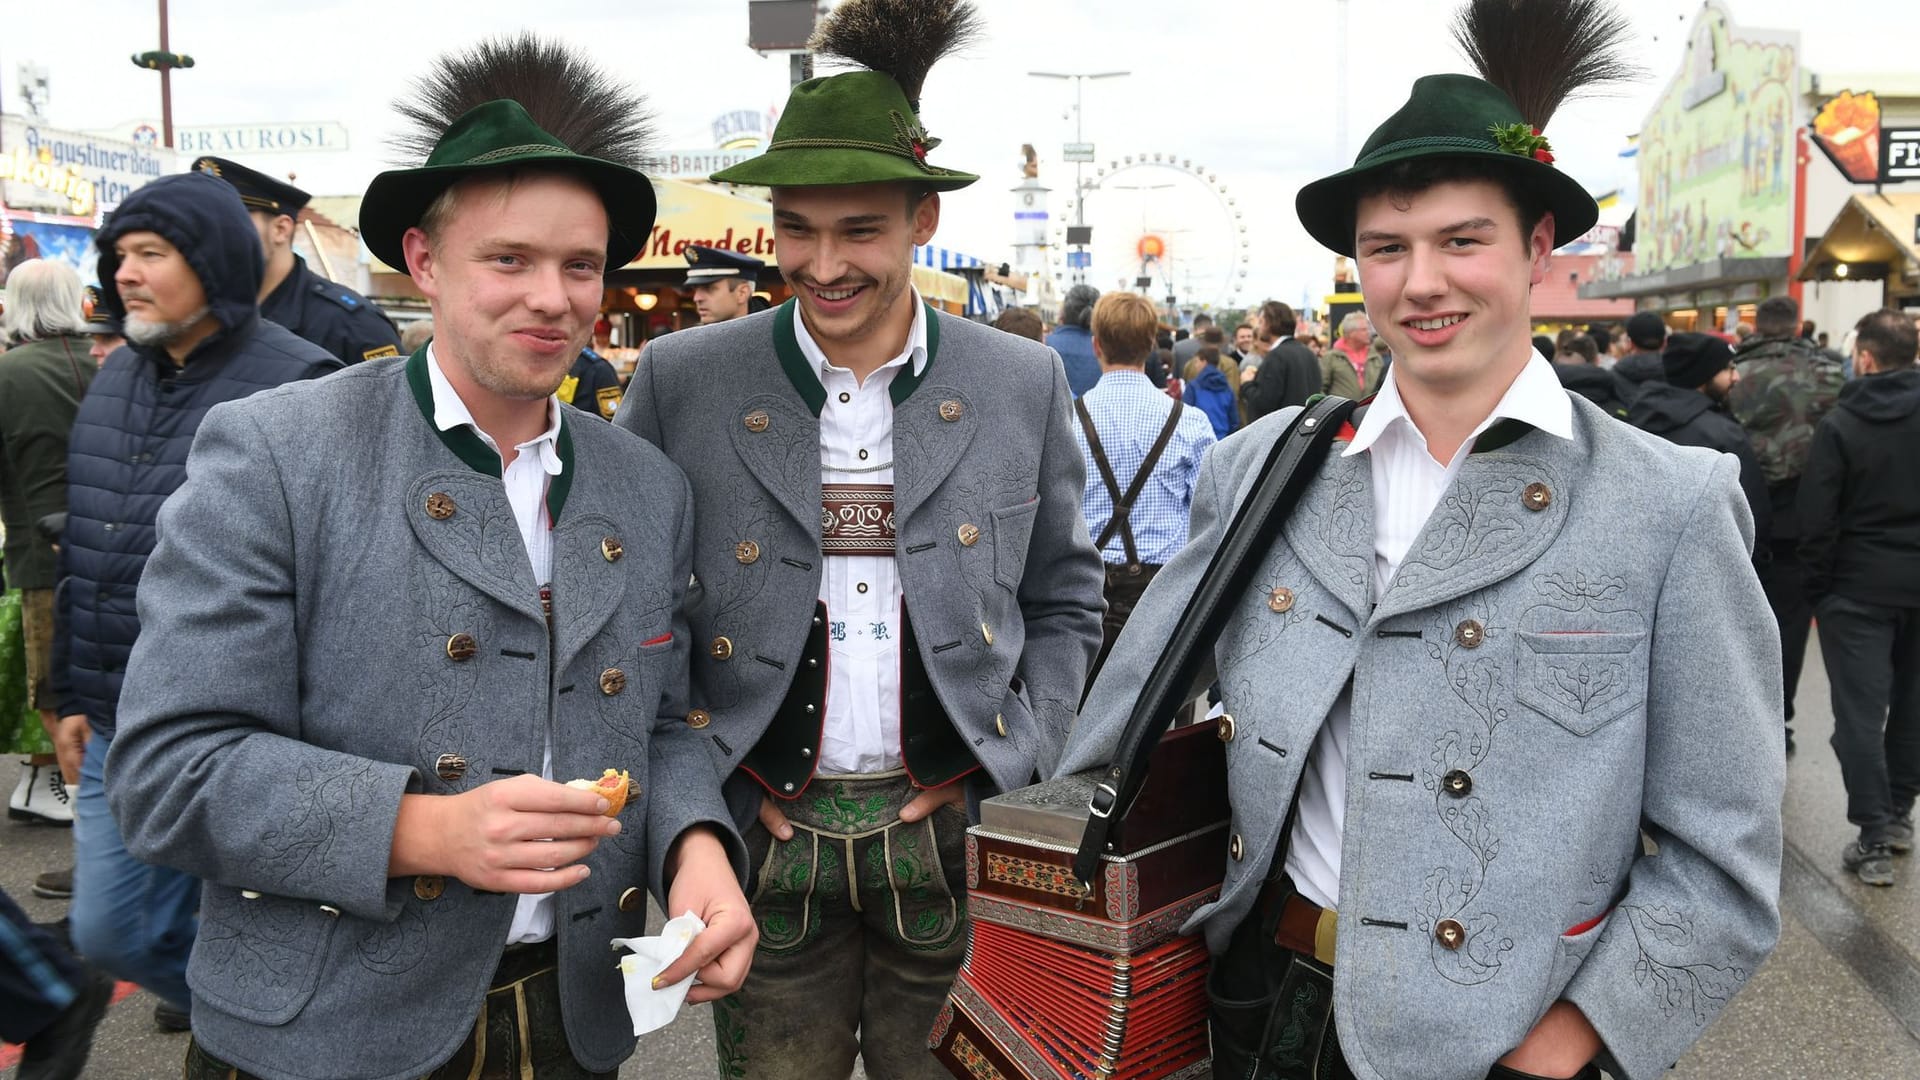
(1062, 983)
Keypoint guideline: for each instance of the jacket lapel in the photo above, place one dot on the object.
(1502, 512)
(932, 429)
(1332, 529)
(589, 580)
(778, 440)
(463, 520)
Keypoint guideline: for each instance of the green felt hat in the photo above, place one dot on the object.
(1450, 116)
(500, 136)
(853, 128)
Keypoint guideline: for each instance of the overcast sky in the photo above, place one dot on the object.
(1246, 87)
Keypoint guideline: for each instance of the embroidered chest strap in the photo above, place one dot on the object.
(856, 519)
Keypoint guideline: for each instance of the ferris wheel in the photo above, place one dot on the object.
(1160, 223)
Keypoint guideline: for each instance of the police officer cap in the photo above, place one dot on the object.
(101, 316)
(258, 190)
(706, 264)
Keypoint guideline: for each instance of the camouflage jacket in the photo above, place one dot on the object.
(1786, 385)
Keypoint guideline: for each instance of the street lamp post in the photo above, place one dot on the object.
(1079, 80)
(164, 62)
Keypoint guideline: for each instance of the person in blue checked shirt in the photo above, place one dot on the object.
(1142, 451)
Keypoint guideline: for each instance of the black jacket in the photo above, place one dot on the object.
(592, 386)
(1691, 418)
(331, 316)
(1596, 384)
(1288, 375)
(1860, 495)
(1636, 370)
(128, 449)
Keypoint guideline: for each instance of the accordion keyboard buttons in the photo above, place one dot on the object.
(1450, 934)
(1236, 849)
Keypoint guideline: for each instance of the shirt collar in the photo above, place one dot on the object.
(1535, 398)
(916, 349)
(1126, 375)
(450, 412)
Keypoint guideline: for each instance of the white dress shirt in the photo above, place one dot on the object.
(1407, 484)
(862, 592)
(537, 461)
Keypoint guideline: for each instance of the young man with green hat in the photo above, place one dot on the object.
(897, 600)
(1475, 671)
(420, 597)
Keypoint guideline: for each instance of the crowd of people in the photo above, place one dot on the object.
(320, 622)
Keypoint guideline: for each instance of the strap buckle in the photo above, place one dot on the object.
(1101, 805)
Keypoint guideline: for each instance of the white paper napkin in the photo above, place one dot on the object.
(654, 1009)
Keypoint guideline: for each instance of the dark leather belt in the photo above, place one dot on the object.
(1300, 924)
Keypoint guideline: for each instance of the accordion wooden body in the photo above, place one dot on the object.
(1062, 984)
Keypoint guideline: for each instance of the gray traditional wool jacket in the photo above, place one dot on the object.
(341, 611)
(1001, 582)
(1574, 651)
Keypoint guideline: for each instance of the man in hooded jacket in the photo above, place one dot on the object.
(181, 258)
(1860, 541)
(1689, 408)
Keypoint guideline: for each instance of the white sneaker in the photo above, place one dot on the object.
(41, 796)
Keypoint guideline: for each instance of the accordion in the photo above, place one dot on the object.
(1077, 888)
(1061, 983)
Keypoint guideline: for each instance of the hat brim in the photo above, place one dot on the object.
(397, 199)
(1326, 206)
(819, 166)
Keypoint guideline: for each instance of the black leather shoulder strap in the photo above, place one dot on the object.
(1288, 469)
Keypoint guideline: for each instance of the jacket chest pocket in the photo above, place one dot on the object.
(1582, 680)
(1012, 530)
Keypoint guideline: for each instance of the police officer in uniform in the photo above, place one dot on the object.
(721, 282)
(328, 314)
(591, 385)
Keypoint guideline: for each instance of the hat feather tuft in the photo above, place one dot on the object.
(899, 38)
(1540, 52)
(568, 95)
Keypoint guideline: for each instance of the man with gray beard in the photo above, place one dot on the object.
(181, 258)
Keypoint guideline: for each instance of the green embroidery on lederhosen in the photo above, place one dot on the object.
(906, 864)
(787, 909)
(729, 1038)
(843, 813)
(1293, 1036)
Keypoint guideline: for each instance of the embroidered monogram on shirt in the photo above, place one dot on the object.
(856, 519)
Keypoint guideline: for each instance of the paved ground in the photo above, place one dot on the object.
(1840, 997)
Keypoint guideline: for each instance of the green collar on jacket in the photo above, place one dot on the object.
(470, 448)
(800, 373)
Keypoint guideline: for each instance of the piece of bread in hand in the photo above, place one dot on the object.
(612, 786)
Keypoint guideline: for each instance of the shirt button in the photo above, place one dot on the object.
(860, 588)
(845, 397)
(863, 455)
